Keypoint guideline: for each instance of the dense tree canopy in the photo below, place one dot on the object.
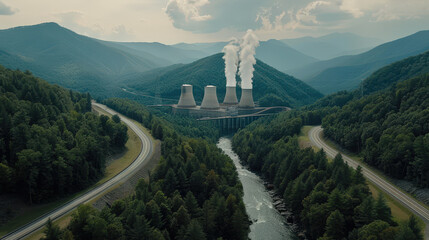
(390, 129)
(194, 193)
(331, 200)
(50, 142)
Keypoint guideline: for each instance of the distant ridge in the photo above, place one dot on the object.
(210, 71)
(66, 58)
(347, 72)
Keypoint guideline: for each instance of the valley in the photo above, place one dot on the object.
(203, 120)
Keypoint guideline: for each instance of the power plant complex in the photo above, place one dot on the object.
(210, 106)
(231, 114)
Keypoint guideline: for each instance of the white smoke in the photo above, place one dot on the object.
(231, 62)
(247, 58)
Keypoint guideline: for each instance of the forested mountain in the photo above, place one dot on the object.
(331, 200)
(194, 193)
(396, 72)
(390, 129)
(347, 72)
(211, 71)
(50, 142)
(169, 54)
(273, 52)
(332, 45)
(64, 57)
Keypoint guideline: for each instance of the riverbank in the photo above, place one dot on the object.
(260, 203)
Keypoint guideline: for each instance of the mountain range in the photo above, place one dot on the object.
(347, 72)
(66, 58)
(166, 82)
(332, 45)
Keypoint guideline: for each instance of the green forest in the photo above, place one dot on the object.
(194, 193)
(331, 200)
(390, 129)
(396, 72)
(268, 83)
(50, 142)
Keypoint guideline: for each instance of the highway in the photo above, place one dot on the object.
(121, 177)
(410, 203)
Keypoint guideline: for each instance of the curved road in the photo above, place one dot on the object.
(146, 152)
(410, 203)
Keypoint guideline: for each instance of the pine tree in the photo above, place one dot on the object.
(52, 231)
(382, 210)
(415, 228)
(195, 231)
(335, 225)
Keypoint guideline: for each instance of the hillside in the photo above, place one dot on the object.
(166, 54)
(51, 145)
(273, 52)
(281, 56)
(396, 72)
(389, 129)
(332, 45)
(210, 70)
(66, 58)
(347, 72)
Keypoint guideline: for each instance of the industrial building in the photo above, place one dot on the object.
(210, 106)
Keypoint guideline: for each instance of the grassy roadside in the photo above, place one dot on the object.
(132, 149)
(379, 173)
(304, 140)
(399, 212)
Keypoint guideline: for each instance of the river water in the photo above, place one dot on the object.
(267, 223)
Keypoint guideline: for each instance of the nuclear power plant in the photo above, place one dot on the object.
(230, 96)
(186, 97)
(210, 106)
(231, 114)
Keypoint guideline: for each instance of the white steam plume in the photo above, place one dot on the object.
(247, 58)
(231, 62)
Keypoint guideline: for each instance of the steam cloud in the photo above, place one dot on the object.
(247, 58)
(231, 62)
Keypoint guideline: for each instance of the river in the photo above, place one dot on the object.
(267, 223)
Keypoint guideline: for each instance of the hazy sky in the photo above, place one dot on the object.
(173, 21)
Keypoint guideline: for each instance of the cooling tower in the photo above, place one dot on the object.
(210, 98)
(186, 97)
(246, 100)
(230, 96)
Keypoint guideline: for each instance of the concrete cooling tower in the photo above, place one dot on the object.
(186, 97)
(210, 98)
(246, 100)
(230, 96)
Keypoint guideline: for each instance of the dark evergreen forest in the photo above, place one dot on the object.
(390, 129)
(194, 193)
(50, 142)
(331, 200)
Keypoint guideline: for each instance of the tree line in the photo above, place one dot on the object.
(194, 193)
(389, 129)
(331, 200)
(50, 142)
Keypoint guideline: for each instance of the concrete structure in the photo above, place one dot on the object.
(230, 96)
(246, 100)
(186, 97)
(210, 98)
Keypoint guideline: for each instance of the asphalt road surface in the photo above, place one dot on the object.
(121, 177)
(410, 203)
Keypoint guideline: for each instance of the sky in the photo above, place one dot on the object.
(174, 21)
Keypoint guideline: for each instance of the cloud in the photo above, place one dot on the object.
(187, 10)
(78, 22)
(315, 13)
(386, 10)
(6, 10)
(208, 16)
